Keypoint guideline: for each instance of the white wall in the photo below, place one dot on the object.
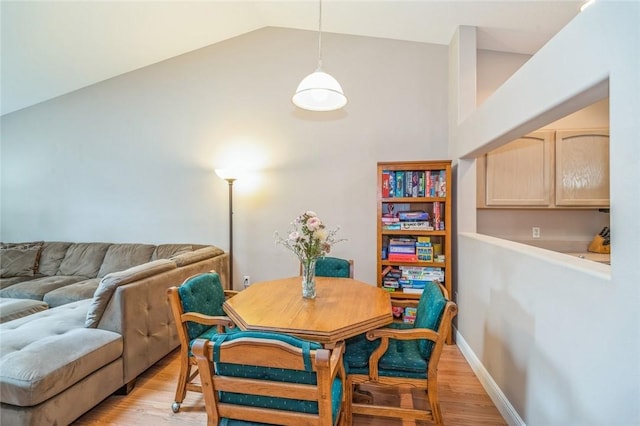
(493, 69)
(562, 230)
(559, 337)
(131, 159)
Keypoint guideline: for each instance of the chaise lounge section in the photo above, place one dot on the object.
(108, 320)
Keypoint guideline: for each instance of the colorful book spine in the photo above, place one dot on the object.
(424, 252)
(399, 184)
(442, 188)
(433, 178)
(415, 225)
(402, 249)
(409, 316)
(403, 257)
(437, 223)
(392, 184)
(415, 183)
(385, 184)
(421, 185)
(408, 184)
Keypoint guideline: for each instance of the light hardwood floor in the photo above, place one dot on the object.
(463, 400)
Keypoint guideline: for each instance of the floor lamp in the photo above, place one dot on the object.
(230, 177)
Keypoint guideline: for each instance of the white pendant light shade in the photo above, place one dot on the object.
(319, 92)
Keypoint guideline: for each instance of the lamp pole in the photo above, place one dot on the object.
(230, 175)
(230, 181)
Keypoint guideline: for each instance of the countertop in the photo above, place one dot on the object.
(596, 257)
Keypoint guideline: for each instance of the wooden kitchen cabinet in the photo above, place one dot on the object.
(520, 173)
(582, 168)
(547, 169)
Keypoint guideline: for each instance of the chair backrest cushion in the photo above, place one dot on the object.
(202, 293)
(308, 376)
(429, 313)
(333, 267)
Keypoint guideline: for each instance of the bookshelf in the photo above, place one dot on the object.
(413, 226)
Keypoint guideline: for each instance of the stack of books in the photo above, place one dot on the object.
(402, 250)
(390, 278)
(415, 278)
(424, 251)
(409, 315)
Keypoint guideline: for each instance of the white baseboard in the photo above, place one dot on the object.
(495, 393)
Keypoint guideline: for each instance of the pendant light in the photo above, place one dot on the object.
(319, 91)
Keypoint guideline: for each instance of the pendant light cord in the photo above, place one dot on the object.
(320, 36)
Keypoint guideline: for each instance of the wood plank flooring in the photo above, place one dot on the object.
(463, 400)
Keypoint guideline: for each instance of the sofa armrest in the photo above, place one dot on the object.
(196, 255)
(141, 313)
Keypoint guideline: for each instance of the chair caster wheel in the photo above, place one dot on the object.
(175, 407)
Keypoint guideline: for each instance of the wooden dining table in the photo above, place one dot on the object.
(342, 308)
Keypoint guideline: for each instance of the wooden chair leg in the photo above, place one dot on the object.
(434, 402)
(348, 399)
(181, 388)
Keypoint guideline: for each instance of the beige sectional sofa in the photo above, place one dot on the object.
(108, 320)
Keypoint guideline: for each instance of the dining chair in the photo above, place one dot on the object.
(253, 377)
(197, 312)
(403, 356)
(333, 267)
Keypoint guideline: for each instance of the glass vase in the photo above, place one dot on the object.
(309, 278)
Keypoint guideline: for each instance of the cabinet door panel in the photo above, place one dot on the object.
(520, 173)
(582, 168)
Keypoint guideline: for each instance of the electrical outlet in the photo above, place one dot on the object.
(535, 232)
(246, 281)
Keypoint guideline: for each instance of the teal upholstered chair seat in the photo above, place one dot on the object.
(218, 358)
(197, 311)
(404, 351)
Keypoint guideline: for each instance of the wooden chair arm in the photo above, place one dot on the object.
(199, 318)
(230, 293)
(384, 334)
(402, 334)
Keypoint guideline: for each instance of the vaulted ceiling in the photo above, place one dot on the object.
(50, 48)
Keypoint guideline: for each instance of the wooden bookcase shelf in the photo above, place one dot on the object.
(430, 189)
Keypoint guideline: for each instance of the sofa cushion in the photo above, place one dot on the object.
(111, 281)
(72, 292)
(36, 289)
(15, 258)
(83, 259)
(123, 256)
(18, 262)
(11, 309)
(9, 281)
(165, 251)
(45, 353)
(197, 255)
(51, 257)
